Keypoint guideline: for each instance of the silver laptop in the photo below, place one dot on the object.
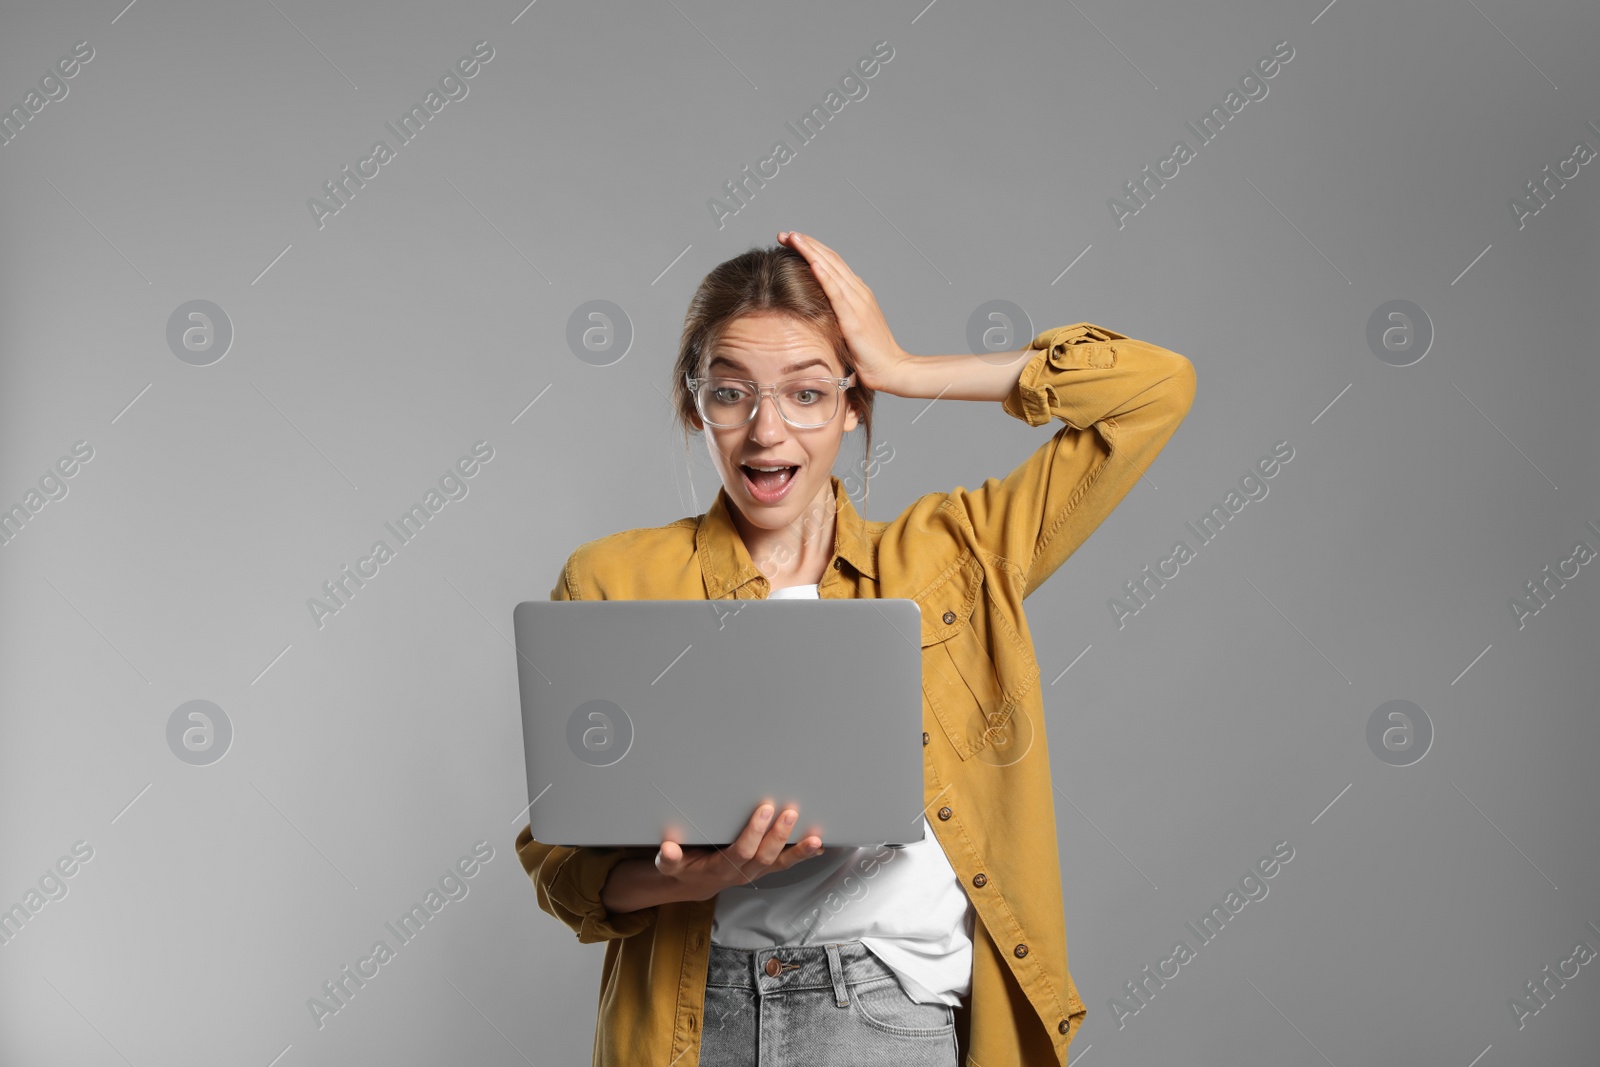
(645, 716)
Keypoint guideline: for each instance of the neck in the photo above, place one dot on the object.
(797, 553)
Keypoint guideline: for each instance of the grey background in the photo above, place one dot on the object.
(368, 755)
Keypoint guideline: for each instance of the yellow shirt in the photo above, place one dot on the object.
(968, 558)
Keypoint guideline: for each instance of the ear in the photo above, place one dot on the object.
(850, 419)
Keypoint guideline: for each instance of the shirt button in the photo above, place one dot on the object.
(1021, 951)
(944, 813)
(949, 617)
(924, 737)
(773, 966)
(1062, 1025)
(980, 879)
(838, 564)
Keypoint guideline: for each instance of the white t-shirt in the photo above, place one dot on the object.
(906, 905)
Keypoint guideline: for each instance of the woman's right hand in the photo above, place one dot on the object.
(759, 849)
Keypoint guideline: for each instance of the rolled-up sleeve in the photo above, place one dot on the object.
(1121, 400)
(567, 880)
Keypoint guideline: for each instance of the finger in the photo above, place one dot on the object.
(828, 256)
(745, 846)
(844, 292)
(803, 849)
(773, 843)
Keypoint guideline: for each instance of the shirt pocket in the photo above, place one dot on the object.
(959, 682)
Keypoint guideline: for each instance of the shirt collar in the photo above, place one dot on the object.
(726, 563)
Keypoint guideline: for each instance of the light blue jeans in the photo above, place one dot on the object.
(833, 1005)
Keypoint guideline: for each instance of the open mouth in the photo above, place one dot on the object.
(768, 485)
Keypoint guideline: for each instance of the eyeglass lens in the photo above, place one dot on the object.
(803, 402)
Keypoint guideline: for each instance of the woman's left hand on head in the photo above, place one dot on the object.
(874, 353)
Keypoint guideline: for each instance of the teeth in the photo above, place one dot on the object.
(769, 468)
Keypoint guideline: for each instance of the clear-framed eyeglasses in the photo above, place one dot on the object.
(804, 403)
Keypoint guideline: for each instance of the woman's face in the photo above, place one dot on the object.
(770, 348)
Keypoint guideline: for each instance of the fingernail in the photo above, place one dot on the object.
(788, 817)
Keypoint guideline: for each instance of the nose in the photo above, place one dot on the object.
(768, 424)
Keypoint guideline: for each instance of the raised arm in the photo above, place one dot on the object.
(1121, 399)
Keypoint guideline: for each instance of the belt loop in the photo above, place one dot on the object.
(836, 969)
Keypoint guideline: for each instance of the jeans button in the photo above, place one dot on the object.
(773, 967)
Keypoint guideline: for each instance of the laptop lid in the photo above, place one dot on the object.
(644, 716)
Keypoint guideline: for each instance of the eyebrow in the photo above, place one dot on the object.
(786, 370)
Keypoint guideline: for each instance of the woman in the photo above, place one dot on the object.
(952, 949)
